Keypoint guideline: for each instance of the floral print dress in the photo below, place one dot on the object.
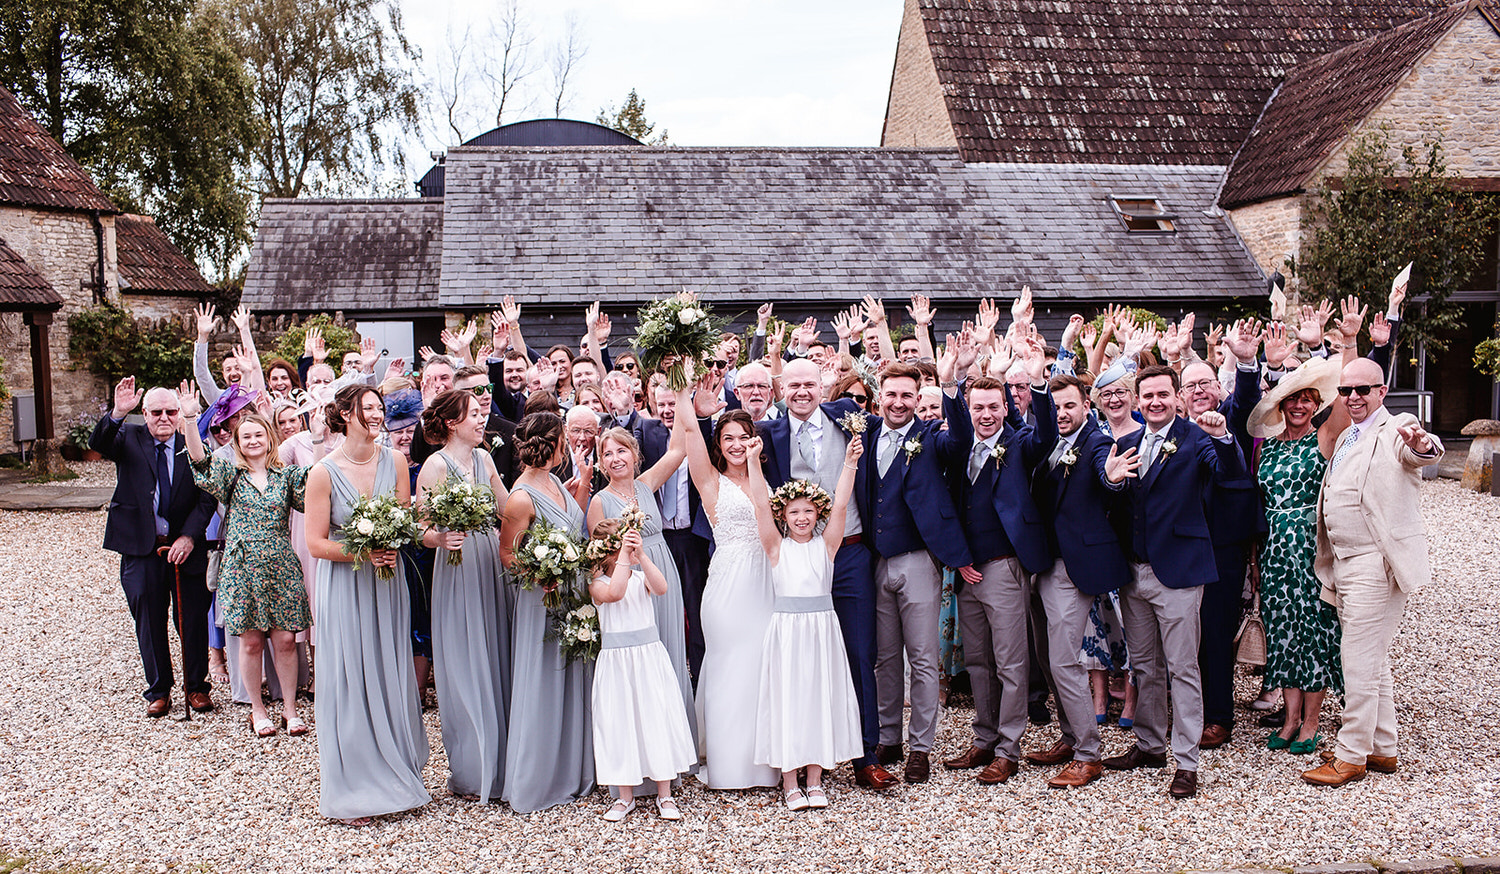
(260, 576)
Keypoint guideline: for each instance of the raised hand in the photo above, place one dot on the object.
(763, 316)
(1070, 333)
(315, 345)
(874, 310)
(773, 343)
(369, 353)
(1089, 338)
(245, 359)
(1021, 311)
(1243, 341)
(1277, 345)
(1001, 361)
(241, 317)
(426, 352)
(753, 447)
(1380, 330)
(841, 326)
(1415, 438)
(510, 310)
(546, 374)
(1139, 340)
(966, 353)
(1214, 338)
(809, 332)
(1120, 466)
(1398, 294)
(207, 321)
(396, 368)
(1352, 318)
(1310, 328)
(853, 451)
(1170, 344)
(921, 310)
(1214, 423)
(187, 401)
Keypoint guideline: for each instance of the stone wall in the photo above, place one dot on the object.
(1271, 230)
(1456, 90)
(61, 246)
(916, 114)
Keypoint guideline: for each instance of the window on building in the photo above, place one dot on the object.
(1142, 214)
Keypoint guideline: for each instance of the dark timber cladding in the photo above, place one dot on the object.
(1130, 81)
(820, 226)
(356, 255)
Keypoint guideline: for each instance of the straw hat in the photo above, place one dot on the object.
(1322, 374)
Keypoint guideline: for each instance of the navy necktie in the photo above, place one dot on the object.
(163, 481)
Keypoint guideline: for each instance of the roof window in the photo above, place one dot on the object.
(1142, 214)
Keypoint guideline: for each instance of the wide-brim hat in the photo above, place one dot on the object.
(1321, 374)
(403, 409)
(231, 400)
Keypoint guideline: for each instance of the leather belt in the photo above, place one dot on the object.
(852, 539)
(165, 541)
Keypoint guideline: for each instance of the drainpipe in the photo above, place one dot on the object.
(100, 286)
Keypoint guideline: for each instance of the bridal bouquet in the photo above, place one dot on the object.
(678, 329)
(577, 630)
(460, 505)
(548, 557)
(378, 523)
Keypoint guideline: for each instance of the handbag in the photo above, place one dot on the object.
(216, 546)
(1250, 642)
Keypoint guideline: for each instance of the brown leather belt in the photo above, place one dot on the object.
(852, 539)
(165, 541)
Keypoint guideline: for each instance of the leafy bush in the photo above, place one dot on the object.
(339, 339)
(107, 340)
(1487, 354)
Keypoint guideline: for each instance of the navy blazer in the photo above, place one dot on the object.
(1009, 482)
(1168, 520)
(1078, 508)
(130, 527)
(1234, 507)
(910, 507)
(776, 434)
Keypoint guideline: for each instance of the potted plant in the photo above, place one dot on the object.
(75, 445)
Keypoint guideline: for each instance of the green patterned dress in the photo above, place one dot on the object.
(260, 576)
(1302, 632)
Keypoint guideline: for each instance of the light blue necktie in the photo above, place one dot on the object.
(888, 448)
(1345, 447)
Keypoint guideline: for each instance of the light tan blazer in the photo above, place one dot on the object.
(1390, 476)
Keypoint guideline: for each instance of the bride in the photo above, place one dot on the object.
(737, 602)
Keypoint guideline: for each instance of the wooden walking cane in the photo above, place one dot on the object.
(187, 710)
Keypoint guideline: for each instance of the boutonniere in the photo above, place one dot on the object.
(1069, 459)
(1168, 449)
(998, 452)
(913, 448)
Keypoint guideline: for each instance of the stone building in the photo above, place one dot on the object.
(65, 246)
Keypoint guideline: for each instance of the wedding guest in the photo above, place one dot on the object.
(640, 728)
(260, 578)
(1302, 632)
(549, 757)
(371, 743)
(156, 522)
(281, 378)
(499, 432)
(403, 418)
(470, 609)
(286, 419)
(1114, 398)
(1372, 554)
(589, 395)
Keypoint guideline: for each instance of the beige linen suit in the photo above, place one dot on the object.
(1372, 554)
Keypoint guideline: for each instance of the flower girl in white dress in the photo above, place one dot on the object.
(808, 716)
(641, 729)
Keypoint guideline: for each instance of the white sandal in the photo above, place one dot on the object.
(619, 810)
(666, 808)
(816, 797)
(796, 800)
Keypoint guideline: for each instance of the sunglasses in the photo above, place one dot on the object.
(627, 365)
(483, 388)
(718, 364)
(163, 413)
(1362, 390)
(851, 396)
(217, 429)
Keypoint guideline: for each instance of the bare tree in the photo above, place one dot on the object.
(511, 32)
(567, 53)
(459, 68)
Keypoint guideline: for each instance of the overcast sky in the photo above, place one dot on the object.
(712, 72)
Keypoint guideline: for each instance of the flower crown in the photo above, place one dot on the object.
(801, 488)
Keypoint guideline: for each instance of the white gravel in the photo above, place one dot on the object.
(86, 778)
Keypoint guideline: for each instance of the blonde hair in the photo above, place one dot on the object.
(273, 445)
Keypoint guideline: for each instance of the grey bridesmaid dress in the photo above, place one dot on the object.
(372, 745)
(471, 658)
(549, 756)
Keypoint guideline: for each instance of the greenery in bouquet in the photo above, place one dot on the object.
(577, 631)
(548, 557)
(460, 505)
(379, 523)
(675, 331)
(599, 550)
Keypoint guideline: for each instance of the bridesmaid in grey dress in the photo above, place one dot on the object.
(549, 756)
(619, 456)
(371, 742)
(470, 613)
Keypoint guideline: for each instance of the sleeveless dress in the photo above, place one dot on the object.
(808, 714)
(471, 657)
(1302, 631)
(736, 611)
(640, 728)
(371, 742)
(549, 754)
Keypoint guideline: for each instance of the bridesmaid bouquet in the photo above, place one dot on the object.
(379, 523)
(677, 330)
(549, 557)
(577, 631)
(460, 505)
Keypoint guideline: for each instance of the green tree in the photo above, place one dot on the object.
(150, 98)
(1395, 206)
(330, 78)
(630, 120)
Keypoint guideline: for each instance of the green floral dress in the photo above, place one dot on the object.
(260, 576)
(1302, 631)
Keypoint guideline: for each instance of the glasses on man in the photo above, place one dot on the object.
(580, 430)
(483, 388)
(1361, 390)
(1198, 385)
(753, 386)
(166, 414)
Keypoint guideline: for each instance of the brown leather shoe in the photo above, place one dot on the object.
(200, 701)
(874, 777)
(918, 769)
(1076, 773)
(1133, 758)
(1378, 764)
(1059, 753)
(159, 708)
(998, 771)
(1335, 772)
(974, 758)
(1184, 784)
(887, 755)
(1214, 736)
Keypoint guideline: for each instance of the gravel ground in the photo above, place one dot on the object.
(87, 779)
(91, 474)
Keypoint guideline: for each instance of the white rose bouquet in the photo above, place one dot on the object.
(548, 557)
(577, 630)
(378, 523)
(460, 505)
(679, 329)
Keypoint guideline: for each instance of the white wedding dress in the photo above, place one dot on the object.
(737, 602)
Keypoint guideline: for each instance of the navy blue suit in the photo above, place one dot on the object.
(1076, 506)
(149, 580)
(1012, 517)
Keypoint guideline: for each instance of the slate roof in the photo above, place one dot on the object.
(150, 263)
(368, 255)
(1130, 81)
(36, 171)
(565, 224)
(21, 287)
(1322, 100)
